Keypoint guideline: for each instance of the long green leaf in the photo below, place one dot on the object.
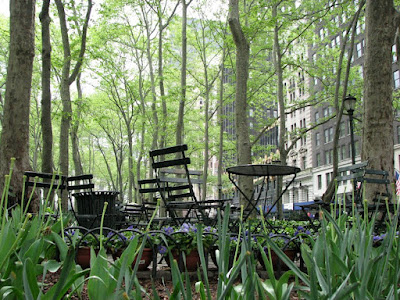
(234, 274)
(65, 271)
(31, 287)
(287, 261)
(200, 248)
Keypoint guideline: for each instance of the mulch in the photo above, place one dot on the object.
(163, 287)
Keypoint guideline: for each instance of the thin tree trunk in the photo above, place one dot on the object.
(66, 81)
(76, 157)
(152, 81)
(277, 58)
(329, 193)
(220, 122)
(181, 111)
(47, 130)
(242, 73)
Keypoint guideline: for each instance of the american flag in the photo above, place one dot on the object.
(397, 174)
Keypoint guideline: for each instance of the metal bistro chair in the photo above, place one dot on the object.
(176, 188)
(43, 183)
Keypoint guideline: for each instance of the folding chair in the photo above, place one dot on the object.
(176, 189)
(44, 185)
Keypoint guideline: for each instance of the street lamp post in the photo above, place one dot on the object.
(349, 103)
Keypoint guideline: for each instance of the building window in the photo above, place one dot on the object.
(328, 157)
(394, 52)
(358, 29)
(328, 177)
(343, 152)
(342, 129)
(327, 111)
(396, 79)
(317, 139)
(321, 33)
(319, 182)
(304, 140)
(359, 49)
(328, 135)
(357, 146)
(398, 134)
(318, 159)
(304, 162)
(316, 117)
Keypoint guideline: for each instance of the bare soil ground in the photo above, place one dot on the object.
(163, 287)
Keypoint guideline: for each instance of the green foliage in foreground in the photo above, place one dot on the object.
(343, 262)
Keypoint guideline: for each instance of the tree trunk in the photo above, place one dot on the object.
(206, 131)
(381, 22)
(181, 111)
(330, 191)
(161, 27)
(76, 157)
(15, 131)
(220, 122)
(242, 73)
(162, 88)
(66, 81)
(47, 131)
(152, 80)
(277, 58)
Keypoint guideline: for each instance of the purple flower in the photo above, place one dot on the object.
(376, 238)
(162, 250)
(168, 230)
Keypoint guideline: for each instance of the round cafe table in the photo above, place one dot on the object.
(260, 170)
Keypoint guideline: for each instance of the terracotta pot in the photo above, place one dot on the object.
(192, 260)
(83, 257)
(276, 260)
(145, 260)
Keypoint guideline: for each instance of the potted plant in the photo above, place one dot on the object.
(86, 242)
(288, 244)
(119, 241)
(182, 242)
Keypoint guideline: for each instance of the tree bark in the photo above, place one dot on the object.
(277, 59)
(45, 120)
(381, 22)
(181, 111)
(66, 81)
(152, 79)
(330, 191)
(76, 157)
(220, 122)
(161, 27)
(242, 73)
(15, 131)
